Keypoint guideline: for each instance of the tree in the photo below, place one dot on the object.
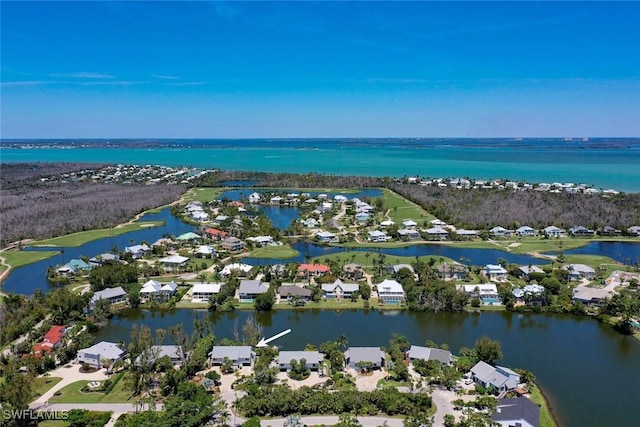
(265, 301)
(488, 350)
(16, 391)
(365, 291)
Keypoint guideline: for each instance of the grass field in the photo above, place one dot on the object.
(19, 258)
(42, 385)
(367, 261)
(72, 394)
(401, 209)
(280, 252)
(546, 419)
(82, 237)
(62, 423)
(203, 194)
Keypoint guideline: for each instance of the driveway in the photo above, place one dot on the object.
(69, 375)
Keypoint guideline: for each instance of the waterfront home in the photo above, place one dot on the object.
(173, 262)
(288, 292)
(579, 230)
(111, 295)
(153, 290)
(522, 294)
(102, 259)
(496, 272)
(215, 234)
(487, 291)
(526, 270)
(498, 379)
(553, 231)
(517, 411)
(591, 296)
(326, 237)
(315, 270)
(201, 292)
(175, 353)
(362, 217)
(408, 234)
(359, 357)
(326, 207)
(205, 251)
(187, 237)
(579, 271)
(102, 352)
(250, 289)
(353, 271)
(409, 224)
(310, 222)
(239, 355)
(634, 231)
(242, 269)
(525, 231)
(75, 266)
(608, 230)
(437, 222)
(377, 236)
(417, 352)
(261, 240)
(499, 232)
(51, 341)
(275, 200)
(467, 234)
(339, 290)
(387, 223)
(452, 271)
(233, 244)
(255, 197)
(437, 233)
(390, 292)
(311, 358)
(137, 251)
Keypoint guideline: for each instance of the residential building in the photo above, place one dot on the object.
(486, 290)
(409, 224)
(102, 259)
(174, 352)
(499, 379)
(526, 270)
(591, 296)
(255, 197)
(521, 294)
(205, 251)
(437, 233)
(417, 352)
(580, 271)
(499, 232)
(215, 234)
(153, 290)
(327, 237)
(634, 231)
(261, 240)
(112, 295)
(579, 230)
(312, 359)
(102, 352)
(290, 291)
(233, 244)
(525, 231)
(51, 341)
(467, 234)
(353, 271)
(496, 273)
(553, 231)
(408, 234)
(240, 268)
(452, 271)
(339, 290)
(377, 236)
(608, 230)
(174, 262)
(518, 411)
(201, 292)
(390, 292)
(355, 357)
(250, 289)
(241, 355)
(396, 268)
(137, 251)
(315, 270)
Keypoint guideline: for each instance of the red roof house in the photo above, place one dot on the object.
(312, 269)
(215, 234)
(52, 339)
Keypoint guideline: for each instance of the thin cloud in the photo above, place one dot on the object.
(164, 77)
(187, 84)
(396, 80)
(87, 75)
(113, 83)
(27, 83)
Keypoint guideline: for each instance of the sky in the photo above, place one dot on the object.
(319, 69)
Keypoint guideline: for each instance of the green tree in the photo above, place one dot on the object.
(488, 350)
(16, 389)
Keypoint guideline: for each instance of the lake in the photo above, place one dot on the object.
(625, 252)
(588, 371)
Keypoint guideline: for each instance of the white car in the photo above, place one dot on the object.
(468, 381)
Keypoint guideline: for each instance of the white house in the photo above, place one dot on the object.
(338, 289)
(312, 359)
(174, 262)
(496, 272)
(390, 291)
(580, 271)
(241, 268)
(355, 357)
(518, 411)
(326, 237)
(500, 379)
(409, 224)
(526, 270)
(137, 251)
(112, 295)
(437, 233)
(408, 234)
(499, 232)
(250, 289)
(99, 353)
(201, 292)
(377, 236)
(486, 290)
(254, 197)
(156, 290)
(239, 355)
(525, 231)
(553, 231)
(205, 251)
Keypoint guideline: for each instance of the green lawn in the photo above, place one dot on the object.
(592, 260)
(19, 258)
(367, 261)
(546, 419)
(401, 209)
(203, 194)
(280, 252)
(345, 304)
(72, 394)
(82, 237)
(42, 385)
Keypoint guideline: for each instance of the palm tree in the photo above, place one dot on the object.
(343, 341)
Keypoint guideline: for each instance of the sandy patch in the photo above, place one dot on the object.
(514, 245)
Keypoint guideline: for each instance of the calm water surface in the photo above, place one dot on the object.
(588, 371)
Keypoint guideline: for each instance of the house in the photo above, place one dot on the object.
(312, 270)
(51, 341)
(634, 231)
(215, 234)
(355, 357)
(276, 200)
(174, 262)
(496, 273)
(579, 271)
(233, 244)
(608, 230)
(518, 411)
(390, 292)
(409, 224)
(327, 237)
(526, 270)
(499, 232)
(112, 295)
(239, 355)
(579, 230)
(289, 292)
(377, 236)
(437, 233)
(174, 352)
(153, 290)
(201, 292)
(205, 251)
(339, 290)
(452, 271)
(500, 379)
(408, 234)
(553, 231)
(137, 251)
(240, 268)
(487, 290)
(102, 352)
(387, 223)
(261, 240)
(417, 352)
(525, 231)
(255, 197)
(250, 289)
(362, 217)
(529, 290)
(312, 359)
(102, 259)
(591, 296)
(310, 222)
(467, 234)
(75, 266)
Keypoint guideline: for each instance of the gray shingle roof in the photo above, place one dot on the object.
(285, 291)
(252, 287)
(517, 409)
(312, 357)
(233, 352)
(428, 353)
(108, 293)
(105, 349)
(364, 354)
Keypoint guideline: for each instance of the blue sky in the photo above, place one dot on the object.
(306, 69)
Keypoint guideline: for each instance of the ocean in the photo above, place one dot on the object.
(603, 162)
